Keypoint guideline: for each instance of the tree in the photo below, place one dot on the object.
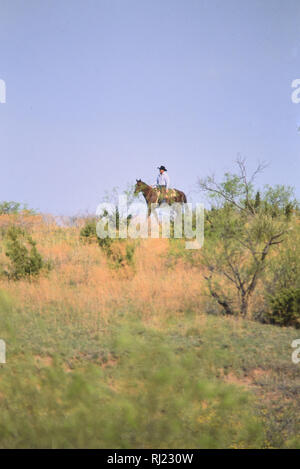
(14, 207)
(239, 239)
(257, 200)
(25, 259)
(236, 189)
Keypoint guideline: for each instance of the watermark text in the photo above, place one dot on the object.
(296, 353)
(2, 351)
(177, 221)
(2, 91)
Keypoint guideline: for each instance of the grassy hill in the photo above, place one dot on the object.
(125, 351)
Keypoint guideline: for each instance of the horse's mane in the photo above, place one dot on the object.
(144, 183)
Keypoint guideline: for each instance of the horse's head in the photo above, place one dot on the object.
(139, 186)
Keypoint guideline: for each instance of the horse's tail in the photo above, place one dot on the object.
(184, 198)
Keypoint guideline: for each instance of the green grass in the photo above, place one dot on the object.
(211, 383)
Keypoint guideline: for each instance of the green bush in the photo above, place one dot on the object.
(88, 232)
(13, 207)
(285, 307)
(151, 398)
(119, 251)
(25, 259)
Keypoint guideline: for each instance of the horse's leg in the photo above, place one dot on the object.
(155, 207)
(152, 210)
(155, 214)
(148, 218)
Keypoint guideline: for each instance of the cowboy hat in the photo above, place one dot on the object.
(162, 167)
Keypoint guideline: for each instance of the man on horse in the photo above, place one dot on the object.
(161, 192)
(163, 182)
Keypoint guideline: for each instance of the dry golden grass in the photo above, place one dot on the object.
(83, 283)
(78, 310)
(82, 279)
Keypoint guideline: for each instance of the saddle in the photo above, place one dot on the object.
(163, 195)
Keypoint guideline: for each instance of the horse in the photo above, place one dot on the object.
(156, 196)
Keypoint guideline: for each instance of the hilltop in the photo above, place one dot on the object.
(127, 350)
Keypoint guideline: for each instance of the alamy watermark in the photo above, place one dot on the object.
(295, 96)
(2, 351)
(2, 91)
(177, 220)
(296, 353)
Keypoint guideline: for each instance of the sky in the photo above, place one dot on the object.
(101, 92)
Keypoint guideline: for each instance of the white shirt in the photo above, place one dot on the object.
(163, 180)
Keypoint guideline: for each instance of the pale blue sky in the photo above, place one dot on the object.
(102, 92)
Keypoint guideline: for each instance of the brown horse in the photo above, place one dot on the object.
(158, 196)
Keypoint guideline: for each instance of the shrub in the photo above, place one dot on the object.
(13, 207)
(25, 259)
(119, 251)
(88, 232)
(285, 307)
(241, 237)
(151, 398)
